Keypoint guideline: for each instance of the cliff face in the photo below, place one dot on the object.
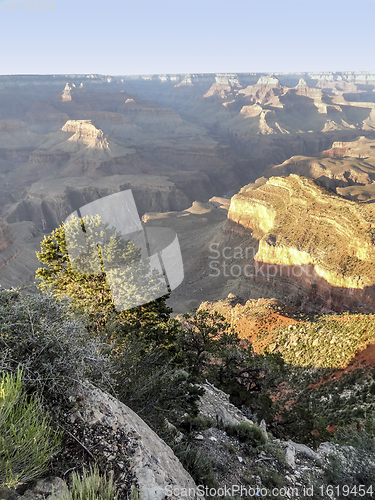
(85, 132)
(266, 90)
(309, 240)
(6, 236)
(206, 134)
(343, 165)
(223, 86)
(50, 202)
(8, 249)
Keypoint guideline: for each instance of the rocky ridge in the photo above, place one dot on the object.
(309, 238)
(346, 167)
(137, 458)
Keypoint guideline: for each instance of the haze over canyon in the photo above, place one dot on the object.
(283, 164)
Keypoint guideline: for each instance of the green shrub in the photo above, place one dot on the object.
(274, 450)
(92, 486)
(152, 386)
(49, 342)
(134, 495)
(27, 441)
(270, 479)
(196, 463)
(231, 448)
(197, 423)
(351, 463)
(251, 434)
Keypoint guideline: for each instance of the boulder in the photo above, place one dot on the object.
(215, 404)
(302, 448)
(263, 428)
(40, 490)
(45, 488)
(155, 467)
(290, 453)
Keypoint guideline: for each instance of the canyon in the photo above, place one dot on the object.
(268, 181)
(184, 145)
(286, 238)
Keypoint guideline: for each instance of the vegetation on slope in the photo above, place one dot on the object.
(27, 440)
(325, 341)
(153, 363)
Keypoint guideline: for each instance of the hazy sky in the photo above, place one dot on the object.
(120, 37)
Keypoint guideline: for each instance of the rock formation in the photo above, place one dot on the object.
(66, 95)
(223, 86)
(85, 132)
(310, 240)
(6, 236)
(215, 405)
(77, 134)
(124, 445)
(344, 164)
(267, 89)
(152, 463)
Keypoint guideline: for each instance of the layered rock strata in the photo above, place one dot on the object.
(311, 240)
(343, 165)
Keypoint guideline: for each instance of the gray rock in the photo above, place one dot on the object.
(215, 404)
(178, 436)
(152, 461)
(44, 488)
(8, 494)
(264, 429)
(305, 450)
(290, 453)
(326, 448)
(31, 495)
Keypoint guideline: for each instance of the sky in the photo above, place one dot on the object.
(118, 37)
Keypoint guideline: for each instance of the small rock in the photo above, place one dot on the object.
(212, 438)
(290, 454)
(7, 494)
(199, 437)
(240, 459)
(263, 427)
(305, 450)
(44, 488)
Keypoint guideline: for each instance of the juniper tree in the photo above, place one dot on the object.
(145, 350)
(84, 276)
